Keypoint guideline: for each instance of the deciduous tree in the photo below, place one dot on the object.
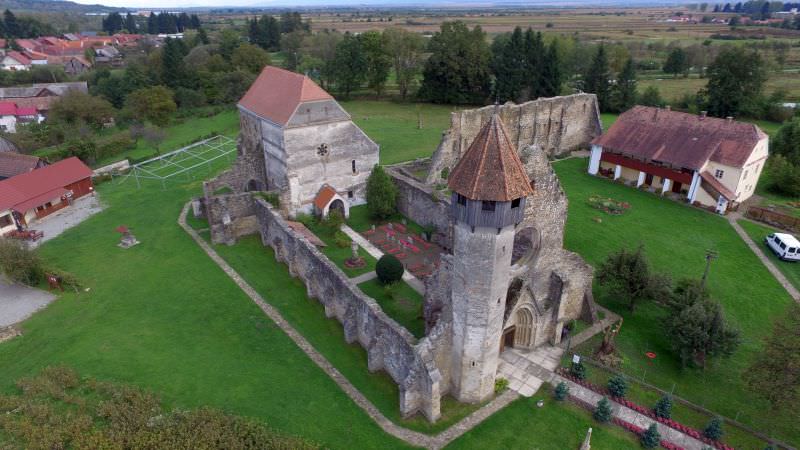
(699, 332)
(155, 104)
(677, 63)
(75, 107)
(736, 81)
(775, 373)
(406, 49)
(458, 69)
(250, 58)
(627, 275)
(377, 59)
(350, 65)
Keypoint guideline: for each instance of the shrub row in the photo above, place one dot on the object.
(687, 430)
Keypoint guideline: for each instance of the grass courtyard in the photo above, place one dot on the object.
(757, 232)
(675, 238)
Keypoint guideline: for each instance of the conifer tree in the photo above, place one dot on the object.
(602, 412)
(552, 77)
(651, 438)
(713, 430)
(617, 386)
(381, 194)
(597, 78)
(663, 407)
(509, 64)
(624, 92)
(535, 54)
(130, 23)
(561, 392)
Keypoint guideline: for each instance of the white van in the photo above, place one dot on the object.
(786, 246)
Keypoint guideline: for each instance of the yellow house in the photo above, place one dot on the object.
(705, 160)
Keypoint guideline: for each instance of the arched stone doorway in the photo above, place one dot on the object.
(524, 332)
(337, 205)
(254, 185)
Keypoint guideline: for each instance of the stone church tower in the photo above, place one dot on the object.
(489, 187)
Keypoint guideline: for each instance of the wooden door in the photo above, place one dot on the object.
(508, 338)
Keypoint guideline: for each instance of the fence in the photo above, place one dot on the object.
(774, 218)
(732, 422)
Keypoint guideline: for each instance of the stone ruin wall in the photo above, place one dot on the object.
(230, 216)
(390, 347)
(558, 125)
(423, 204)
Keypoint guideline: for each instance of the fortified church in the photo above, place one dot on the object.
(504, 279)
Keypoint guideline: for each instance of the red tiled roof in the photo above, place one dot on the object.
(490, 169)
(276, 93)
(40, 103)
(19, 57)
(40, 200)
(13, 164)
(26, 111)
(324, 197)
(18, 191)
(679, 139)
(719, 187)
(8, 108)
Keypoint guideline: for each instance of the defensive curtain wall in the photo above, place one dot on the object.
(557, 125)
(390, 347)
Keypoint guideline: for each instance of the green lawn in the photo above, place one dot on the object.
(395, 127)
(757, 232)
(555, 426)
(339, 254)
(163, 316)
(402, 303)
(271, 279)
(675, 238)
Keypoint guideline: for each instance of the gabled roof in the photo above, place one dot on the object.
(679, 139)
(13, 164)
(717, 185)
(324, 197)
(17, 192)
(276, 94)
(19, 57)
(490, 169)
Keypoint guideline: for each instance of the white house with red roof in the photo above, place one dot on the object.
(708, 161)
(13, 60)
(11, 114)
(33, 195)
(298, 140)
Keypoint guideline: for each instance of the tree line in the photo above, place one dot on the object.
(13, 27)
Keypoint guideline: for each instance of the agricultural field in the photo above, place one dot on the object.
(675, 238)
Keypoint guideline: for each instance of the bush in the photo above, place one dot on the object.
(334, 220)
(340, 239)
(114, 145)
(651, 437)
(578, 370)
(561, 392)
(19, 263)
(389, 269)
(500, 385)
(663, 407)
(602, 412)
(713, 430)
(381, 194)
(617, 386)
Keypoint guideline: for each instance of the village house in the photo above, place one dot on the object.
(707, 161)
(40, 95)
(38, 193)
(11, 115)
(76, 65)
(13, 60)
(13, 164)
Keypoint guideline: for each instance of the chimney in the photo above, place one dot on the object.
(703, 114)
(669, 108)
(729, 119)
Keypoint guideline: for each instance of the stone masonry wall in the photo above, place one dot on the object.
(390, 347)
(424, 205)
(558, 125)
(230, 216)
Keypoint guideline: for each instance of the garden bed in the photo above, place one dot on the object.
(608, 205)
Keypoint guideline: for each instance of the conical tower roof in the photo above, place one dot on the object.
(490, 169)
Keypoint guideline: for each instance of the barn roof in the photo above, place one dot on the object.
(679, 139)
(490, 169)
(18, 191)
(13, 164)
(276, 94)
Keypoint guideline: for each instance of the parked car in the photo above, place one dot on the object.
(786, 246)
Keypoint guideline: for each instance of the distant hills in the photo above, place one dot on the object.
(53, 6)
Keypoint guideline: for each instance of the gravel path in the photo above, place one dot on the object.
(17, 302)
(732, 219)
(64, 219)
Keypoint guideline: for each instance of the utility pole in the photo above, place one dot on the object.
(710, 255)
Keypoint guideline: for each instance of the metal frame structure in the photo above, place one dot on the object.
(182, 160)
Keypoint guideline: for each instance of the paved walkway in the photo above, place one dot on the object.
(364, 277)
(585, 335)
(66, 218)
(409, 436)
(376, 253)
(531, 369)
(733, 217)
(17, 302)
